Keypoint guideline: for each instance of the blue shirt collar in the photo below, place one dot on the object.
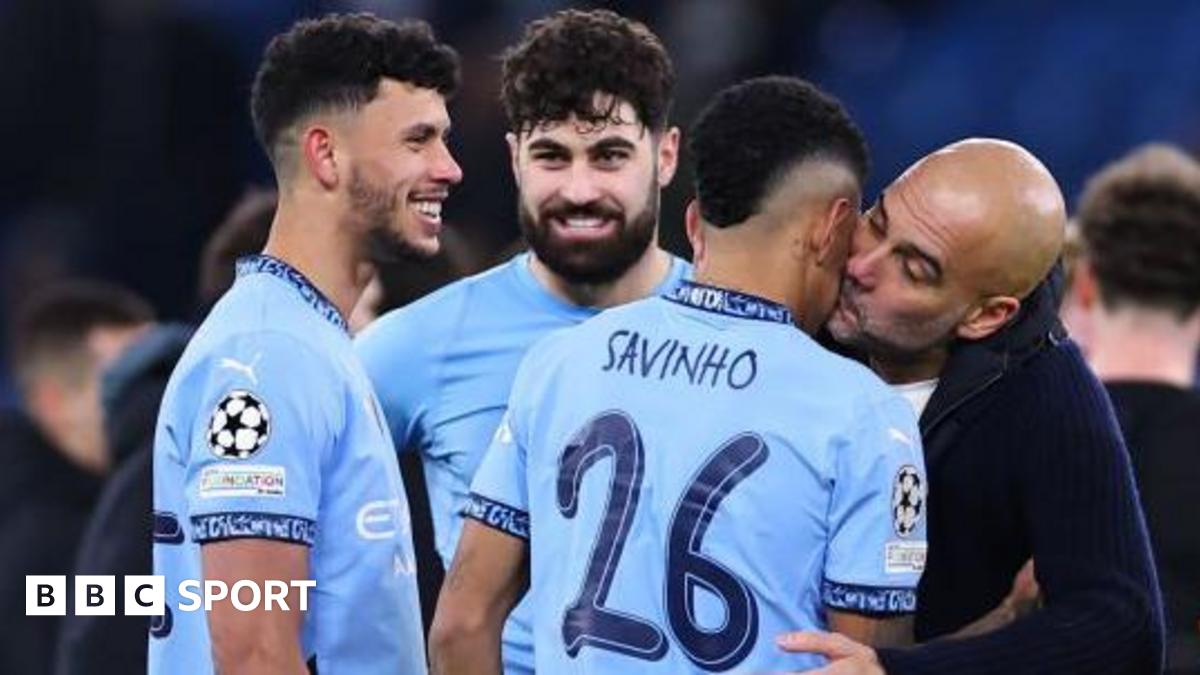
(728, 302)
(265, 264)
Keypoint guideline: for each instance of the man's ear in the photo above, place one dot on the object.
(318, 147)
(668, 156)
(830, 236)
(695, 230)
(46, 398)
(1084, 290)
(514, 152)
(990, 316)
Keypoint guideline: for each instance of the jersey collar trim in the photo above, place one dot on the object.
(265, 264)
(729, 303)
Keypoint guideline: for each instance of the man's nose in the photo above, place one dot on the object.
(862, 268)
(445, 168)
(580, 187)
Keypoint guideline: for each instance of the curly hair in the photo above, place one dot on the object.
(1140, 221)
(754, 132)
(564, 60)
(336, 62)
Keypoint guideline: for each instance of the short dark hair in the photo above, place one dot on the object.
(567, 58)
(752, 133)
(54, 323)
(1140, 221)
(337, 61)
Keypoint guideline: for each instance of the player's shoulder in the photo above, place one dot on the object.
(272, 368)
(645, 311)
(561, 346)
(440, 313)
(271, 343)
(843, 376)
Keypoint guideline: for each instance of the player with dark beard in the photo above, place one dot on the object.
(587, 95)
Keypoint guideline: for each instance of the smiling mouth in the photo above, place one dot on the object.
(582, 223)
(430, 209)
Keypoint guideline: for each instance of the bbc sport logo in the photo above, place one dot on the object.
(145, 595)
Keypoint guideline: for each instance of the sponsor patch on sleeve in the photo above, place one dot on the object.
(904, 557)
(250, 480)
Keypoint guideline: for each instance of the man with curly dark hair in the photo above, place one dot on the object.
(271, 462)
(1138, 287)
(587, 94)
(590, 89)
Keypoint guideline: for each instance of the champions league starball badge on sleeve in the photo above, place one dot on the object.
(239, 426)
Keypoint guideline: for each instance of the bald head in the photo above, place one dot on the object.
(948, 252)
(1001, 205)
(1005, 204)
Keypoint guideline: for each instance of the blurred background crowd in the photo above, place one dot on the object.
(131, 163)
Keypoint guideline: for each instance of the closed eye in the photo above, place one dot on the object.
(918, 267)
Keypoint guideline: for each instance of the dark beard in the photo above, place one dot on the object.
(592, 262)
(373, 208)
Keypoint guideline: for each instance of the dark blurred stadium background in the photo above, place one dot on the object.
(127, 137)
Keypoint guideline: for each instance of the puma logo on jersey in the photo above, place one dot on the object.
(247, 370)
(897, 435)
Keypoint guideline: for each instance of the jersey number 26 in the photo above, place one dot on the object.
(587, 622)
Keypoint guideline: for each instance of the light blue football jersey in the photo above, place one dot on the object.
(269, 429)
(443, 367)
(695, 476)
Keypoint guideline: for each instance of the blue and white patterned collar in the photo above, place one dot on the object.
(265, 264)
(729, 303)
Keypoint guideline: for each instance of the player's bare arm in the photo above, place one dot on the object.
(489, 575)
(892, 631)
(256, 641)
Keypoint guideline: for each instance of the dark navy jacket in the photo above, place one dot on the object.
(1025, 459)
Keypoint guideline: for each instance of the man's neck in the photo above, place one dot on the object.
(318, 248)
(638, 282)
(740, 269)
(1144, 345)
(920, 368)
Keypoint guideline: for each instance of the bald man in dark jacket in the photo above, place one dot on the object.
(951, 292)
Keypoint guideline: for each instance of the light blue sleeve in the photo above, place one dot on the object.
(267, 413)
(877, 516)
(500, 492)
(394, 350)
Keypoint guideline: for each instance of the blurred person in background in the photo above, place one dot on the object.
(117, 539)
(952, 291)
(55, 454)
(588, 96)
(243, 231)
(1075, 318)
(1138, 284)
